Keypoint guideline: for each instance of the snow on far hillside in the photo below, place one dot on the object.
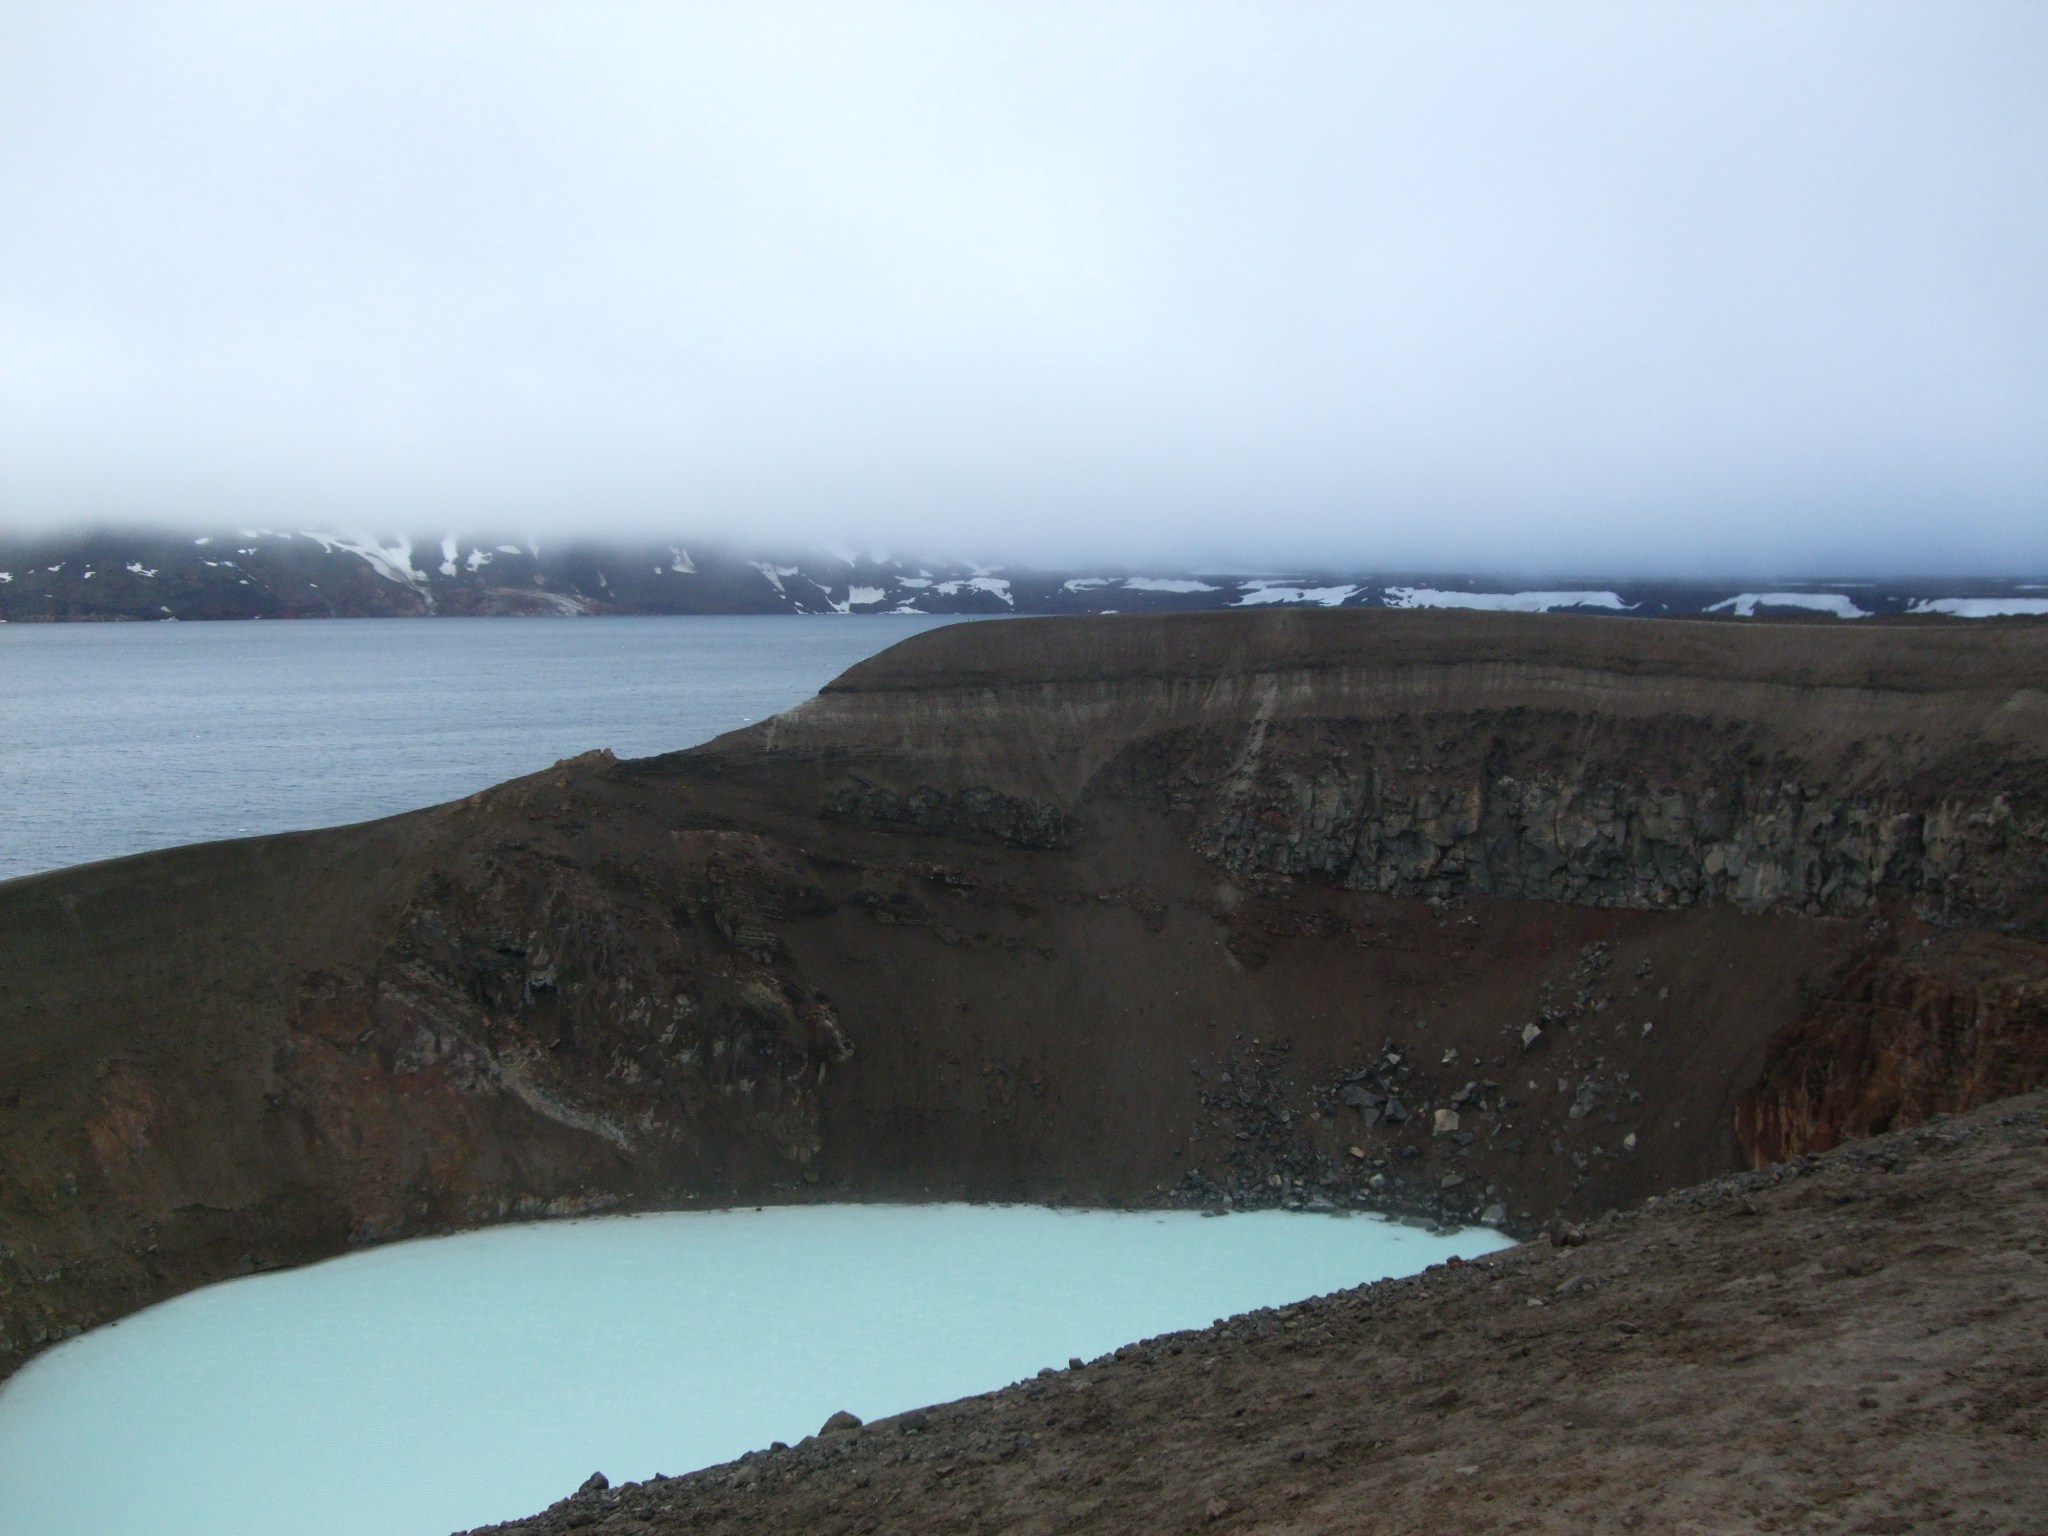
(291, 569)
(995, 584)
(1257, 592)
(1982, 607)
(392, 561)
(1502, 602)
(1176, 584)
(1745, 604)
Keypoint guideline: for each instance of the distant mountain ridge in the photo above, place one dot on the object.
(273, 574)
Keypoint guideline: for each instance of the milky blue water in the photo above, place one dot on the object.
(435, 1385)
(117, 738)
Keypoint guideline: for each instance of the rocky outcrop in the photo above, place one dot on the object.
(1908, 1031)
(1824, 780)
(671, 1029)
(1724, 828)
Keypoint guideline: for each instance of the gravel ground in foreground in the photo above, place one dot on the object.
(1856, 1342)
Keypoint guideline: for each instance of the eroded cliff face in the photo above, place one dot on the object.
(1641, 818)
(1453, 914)
(508, 1034)
(1912, 1028)
(1819, 774)
(650, 1007)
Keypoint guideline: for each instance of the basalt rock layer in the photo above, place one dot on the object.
(1474, 915)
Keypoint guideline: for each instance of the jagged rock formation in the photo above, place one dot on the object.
(1476, 916)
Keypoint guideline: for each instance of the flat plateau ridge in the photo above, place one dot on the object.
(1475, 916)
(1850, 1342)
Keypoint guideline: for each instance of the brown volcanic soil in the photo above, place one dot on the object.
(1846, 1343)
(1107, 910)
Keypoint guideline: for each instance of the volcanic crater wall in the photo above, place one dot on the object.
(1472, 915)
(1798, 768)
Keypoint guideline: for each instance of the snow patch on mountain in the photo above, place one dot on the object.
(1745, 604)
(392, 561)
(1501, 602)
(997, 585)
(1176, 584)
(775, 573)
(1260, 592)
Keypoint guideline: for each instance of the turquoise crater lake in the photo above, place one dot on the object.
(434, 1385)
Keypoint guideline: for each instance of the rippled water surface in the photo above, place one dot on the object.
(117, 738)
(432, 1385)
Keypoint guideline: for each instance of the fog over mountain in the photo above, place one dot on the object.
(1695, 288)
(269, 573)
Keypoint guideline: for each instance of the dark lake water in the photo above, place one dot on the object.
(117, 738)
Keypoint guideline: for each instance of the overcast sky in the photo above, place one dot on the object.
(1621, 288)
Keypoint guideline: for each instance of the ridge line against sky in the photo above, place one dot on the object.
(1572, 287)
